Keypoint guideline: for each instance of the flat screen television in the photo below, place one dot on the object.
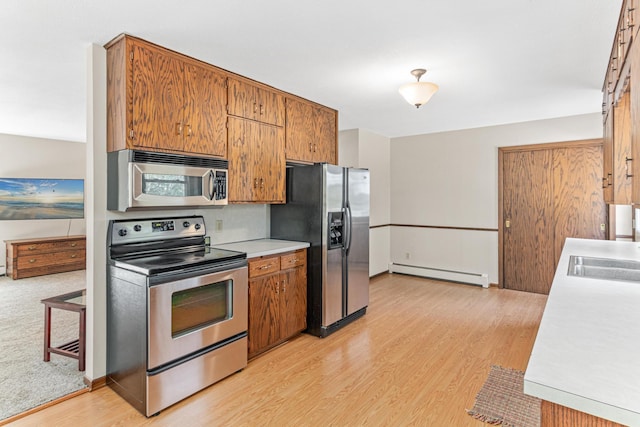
(39, 198)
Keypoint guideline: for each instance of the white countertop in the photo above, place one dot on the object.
(261, 247)
(587, 352)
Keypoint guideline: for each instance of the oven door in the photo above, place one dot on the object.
(190, 314)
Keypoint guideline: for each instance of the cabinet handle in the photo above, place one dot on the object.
(277, 289)
(626, 165)
(32, 260)
(604, 182)
(255, 183)
(284, 286)
(178, 128)
(261, 183)
(310, 147)
(31, 248)
(73, 245)
(73, 255)
(189, 130)
(264, 267)
(609, 176)
(315, 148)
(255, 107)
(261, 109)
(293, 260)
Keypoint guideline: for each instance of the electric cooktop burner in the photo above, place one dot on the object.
(178, 260)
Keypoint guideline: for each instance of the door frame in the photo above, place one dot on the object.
(528, 147)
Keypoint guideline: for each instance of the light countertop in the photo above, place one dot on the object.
(587, 352)
(262, 247)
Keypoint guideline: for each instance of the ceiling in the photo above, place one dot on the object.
(496, 61)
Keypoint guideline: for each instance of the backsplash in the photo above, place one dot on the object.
(238, 222)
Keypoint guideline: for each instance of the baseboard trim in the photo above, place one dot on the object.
(441, 274)
(95, 384)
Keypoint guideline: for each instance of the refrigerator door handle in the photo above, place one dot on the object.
(347, 233)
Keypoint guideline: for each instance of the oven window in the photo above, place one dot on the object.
(171, 185)
(196, 308)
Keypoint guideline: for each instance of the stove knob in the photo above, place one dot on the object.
(198, 226)
(137, 227)
(122, 232)
(186, 224)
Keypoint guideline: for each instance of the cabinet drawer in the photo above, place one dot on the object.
(295, 259)
(262, 266)
(54, 258)
(45, 247)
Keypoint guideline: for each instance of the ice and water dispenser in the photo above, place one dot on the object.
(336, 222)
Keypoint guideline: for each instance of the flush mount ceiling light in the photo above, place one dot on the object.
(418, 93)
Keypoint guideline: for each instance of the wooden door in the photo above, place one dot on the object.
(528, 212)
(205, 118)
(548, 192)
(157, 99)
(264, 312)
(242, 100)
(579, 209)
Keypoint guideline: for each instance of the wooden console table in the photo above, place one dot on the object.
(73, 301)
(37, 257)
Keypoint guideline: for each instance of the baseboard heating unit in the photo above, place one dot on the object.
(438, 273)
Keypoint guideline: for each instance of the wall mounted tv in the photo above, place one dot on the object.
(38, 198)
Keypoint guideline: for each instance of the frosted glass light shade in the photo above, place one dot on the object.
(418, 93)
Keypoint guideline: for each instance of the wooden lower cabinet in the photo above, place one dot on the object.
(277, 299)
(38, 257)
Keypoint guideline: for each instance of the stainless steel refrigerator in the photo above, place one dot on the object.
(328, 206)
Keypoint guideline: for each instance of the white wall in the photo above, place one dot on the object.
(25, 157)
(451, 179)
(363, 149)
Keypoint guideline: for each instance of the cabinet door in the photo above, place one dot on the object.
(622, 152)
(264, 313)
(205, 118)
(310, 132)
(325, 124)
(294, 300)
(157, 99)
(270, 107)
(256, 162)
(240, 158)
(269, 163)
(242, 100)
(299, 131)
(607, 158)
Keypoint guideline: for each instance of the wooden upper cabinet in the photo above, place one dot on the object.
(205, 118)
(159, 100)
(311, 132)
(255, 103)
(256, 162)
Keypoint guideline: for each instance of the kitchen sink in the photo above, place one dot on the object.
(604, 268)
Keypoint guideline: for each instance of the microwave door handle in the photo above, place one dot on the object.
(212, 187)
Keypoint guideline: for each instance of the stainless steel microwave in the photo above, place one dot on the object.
(148, 180)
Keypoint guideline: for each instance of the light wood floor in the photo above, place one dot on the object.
(418, 357)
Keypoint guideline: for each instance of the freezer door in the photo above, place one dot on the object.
(357, 251)
(332, 294)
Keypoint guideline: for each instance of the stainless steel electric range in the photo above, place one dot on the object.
(176, 311)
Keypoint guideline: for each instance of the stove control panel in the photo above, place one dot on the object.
(139, 230)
